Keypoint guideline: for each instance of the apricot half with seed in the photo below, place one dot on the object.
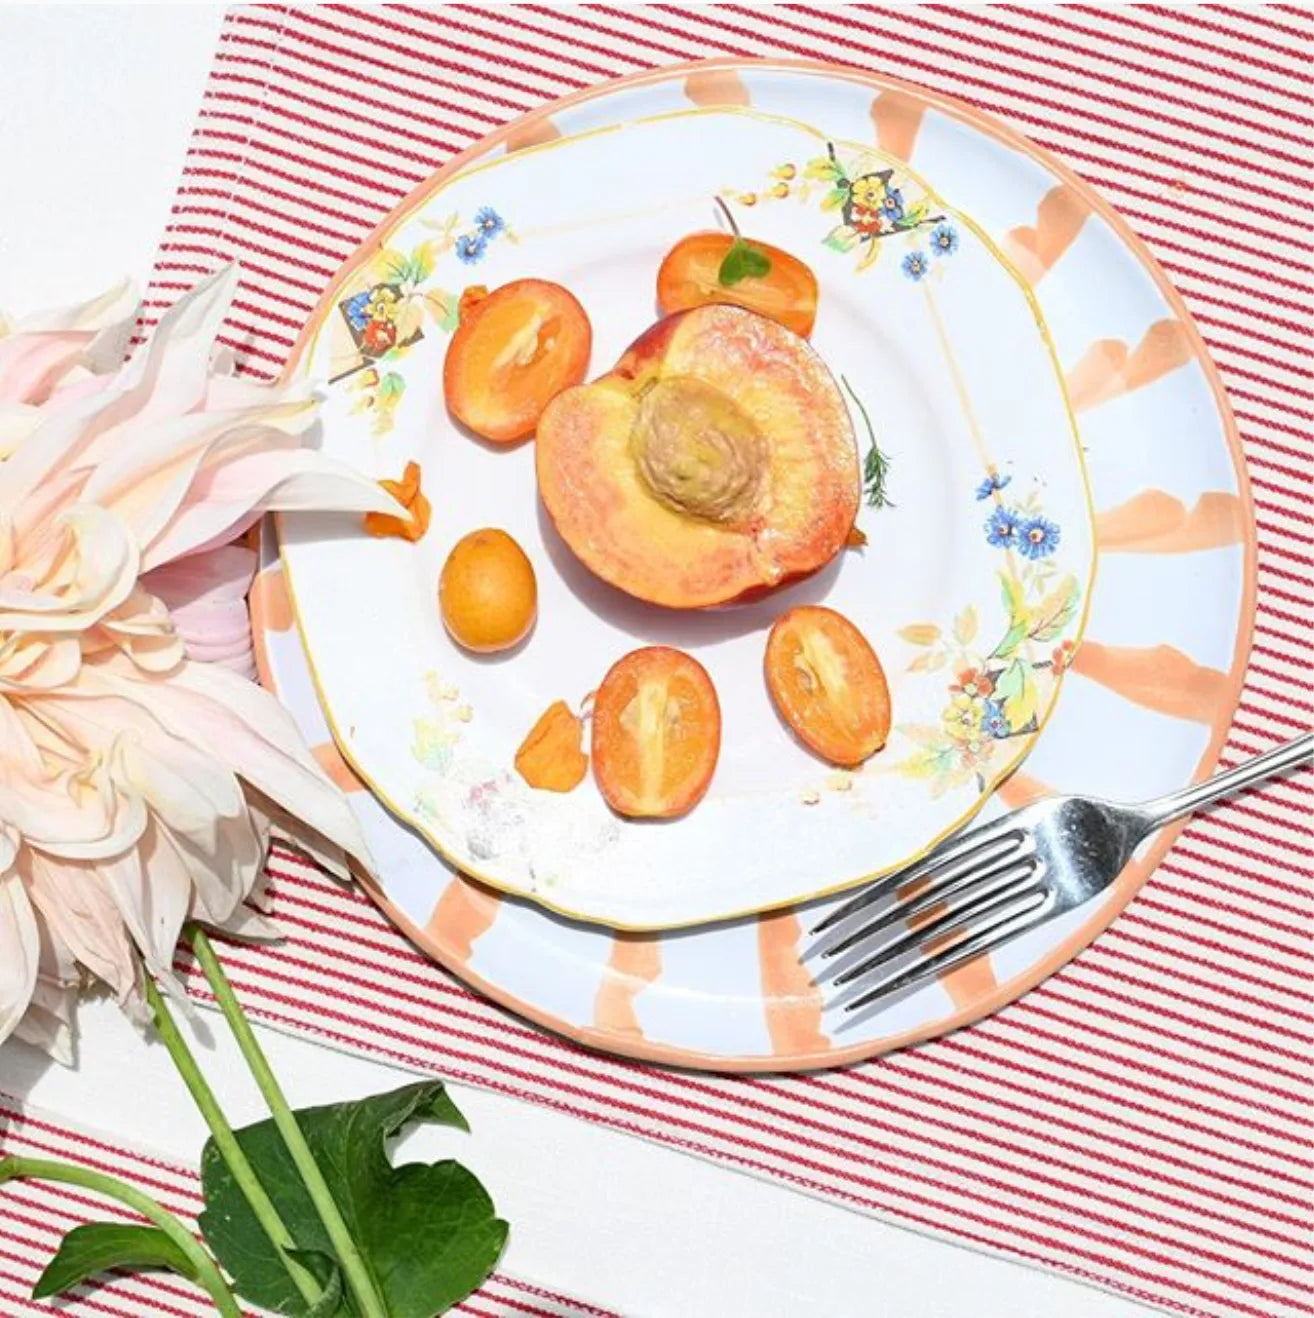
(714, 462)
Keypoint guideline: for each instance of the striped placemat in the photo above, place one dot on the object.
(34, 1216)
(1143, 1121)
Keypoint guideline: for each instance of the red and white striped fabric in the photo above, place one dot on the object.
(34, 1216)
(1145, 1120)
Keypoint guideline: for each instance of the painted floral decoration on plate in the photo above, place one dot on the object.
(996, 688)
(394, 301)
(875, 203)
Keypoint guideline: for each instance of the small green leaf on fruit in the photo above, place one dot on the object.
(742, 261)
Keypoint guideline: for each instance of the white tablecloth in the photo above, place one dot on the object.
(98, 104)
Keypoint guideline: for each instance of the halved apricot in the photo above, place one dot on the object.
(695, 273)
(656, 733)
(828, 684)
(512, 352)
(714, 462)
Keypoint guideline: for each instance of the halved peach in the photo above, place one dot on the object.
(715, 461)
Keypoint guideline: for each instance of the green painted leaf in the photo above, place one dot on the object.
(842, 238)
(444, 308)
(742, 261)
(391, 385)
(428, 1232)
(390, 266)
(1050, 618)
(927, 763)
(834, 199)
(965, 625)
(98, 1246)
(423, 257)
(824, 167)
(1019, 616)
(1016, 690)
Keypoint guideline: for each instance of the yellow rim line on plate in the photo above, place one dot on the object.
(986, 125)
(465, 865)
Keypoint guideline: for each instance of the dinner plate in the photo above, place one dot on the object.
(1148, 697)
(972, 584)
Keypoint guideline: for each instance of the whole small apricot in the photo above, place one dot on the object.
(487, 592)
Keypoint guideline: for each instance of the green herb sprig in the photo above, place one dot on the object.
(876, 464)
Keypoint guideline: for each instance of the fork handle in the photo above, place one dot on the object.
(1268, 765)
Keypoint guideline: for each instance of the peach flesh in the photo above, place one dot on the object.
(715, 461)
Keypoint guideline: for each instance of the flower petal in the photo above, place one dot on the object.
(253, 734)
(20, 951)
(227, 499)
(77, 907)
(44, 347)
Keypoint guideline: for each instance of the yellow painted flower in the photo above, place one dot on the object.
(383, 305)
(962, 717)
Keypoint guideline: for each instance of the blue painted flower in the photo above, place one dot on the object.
(1037, 538)
(944, 240)
(994, 723)
(892, 205)
(994, 481)
(915, 265)
(357, 310)
(1001, 528)
(489, 222)
(470, 247)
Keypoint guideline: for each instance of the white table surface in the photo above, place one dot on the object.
(98, 105)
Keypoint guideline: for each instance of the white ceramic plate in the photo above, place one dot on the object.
(972, 588)
(1147, 702)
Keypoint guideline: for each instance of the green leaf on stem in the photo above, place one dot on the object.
(98, 1246)
(427, 1232)
(742, 261)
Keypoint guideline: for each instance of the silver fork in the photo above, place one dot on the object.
(994, 882)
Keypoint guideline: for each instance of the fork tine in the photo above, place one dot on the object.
(1006, 925)
(953, 849)
(957, 877)
(1010, 884)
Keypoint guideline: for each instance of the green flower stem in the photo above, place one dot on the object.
(226, 1142)
(207, 1271)
(349, 1257)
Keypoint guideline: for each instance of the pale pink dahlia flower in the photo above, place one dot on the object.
(139, 784)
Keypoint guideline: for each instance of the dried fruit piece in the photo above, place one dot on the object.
(407, 492)
(656, 733)
(513, 351)
(487, 592)
(722, 267)
(828, 684)
(552, 756)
